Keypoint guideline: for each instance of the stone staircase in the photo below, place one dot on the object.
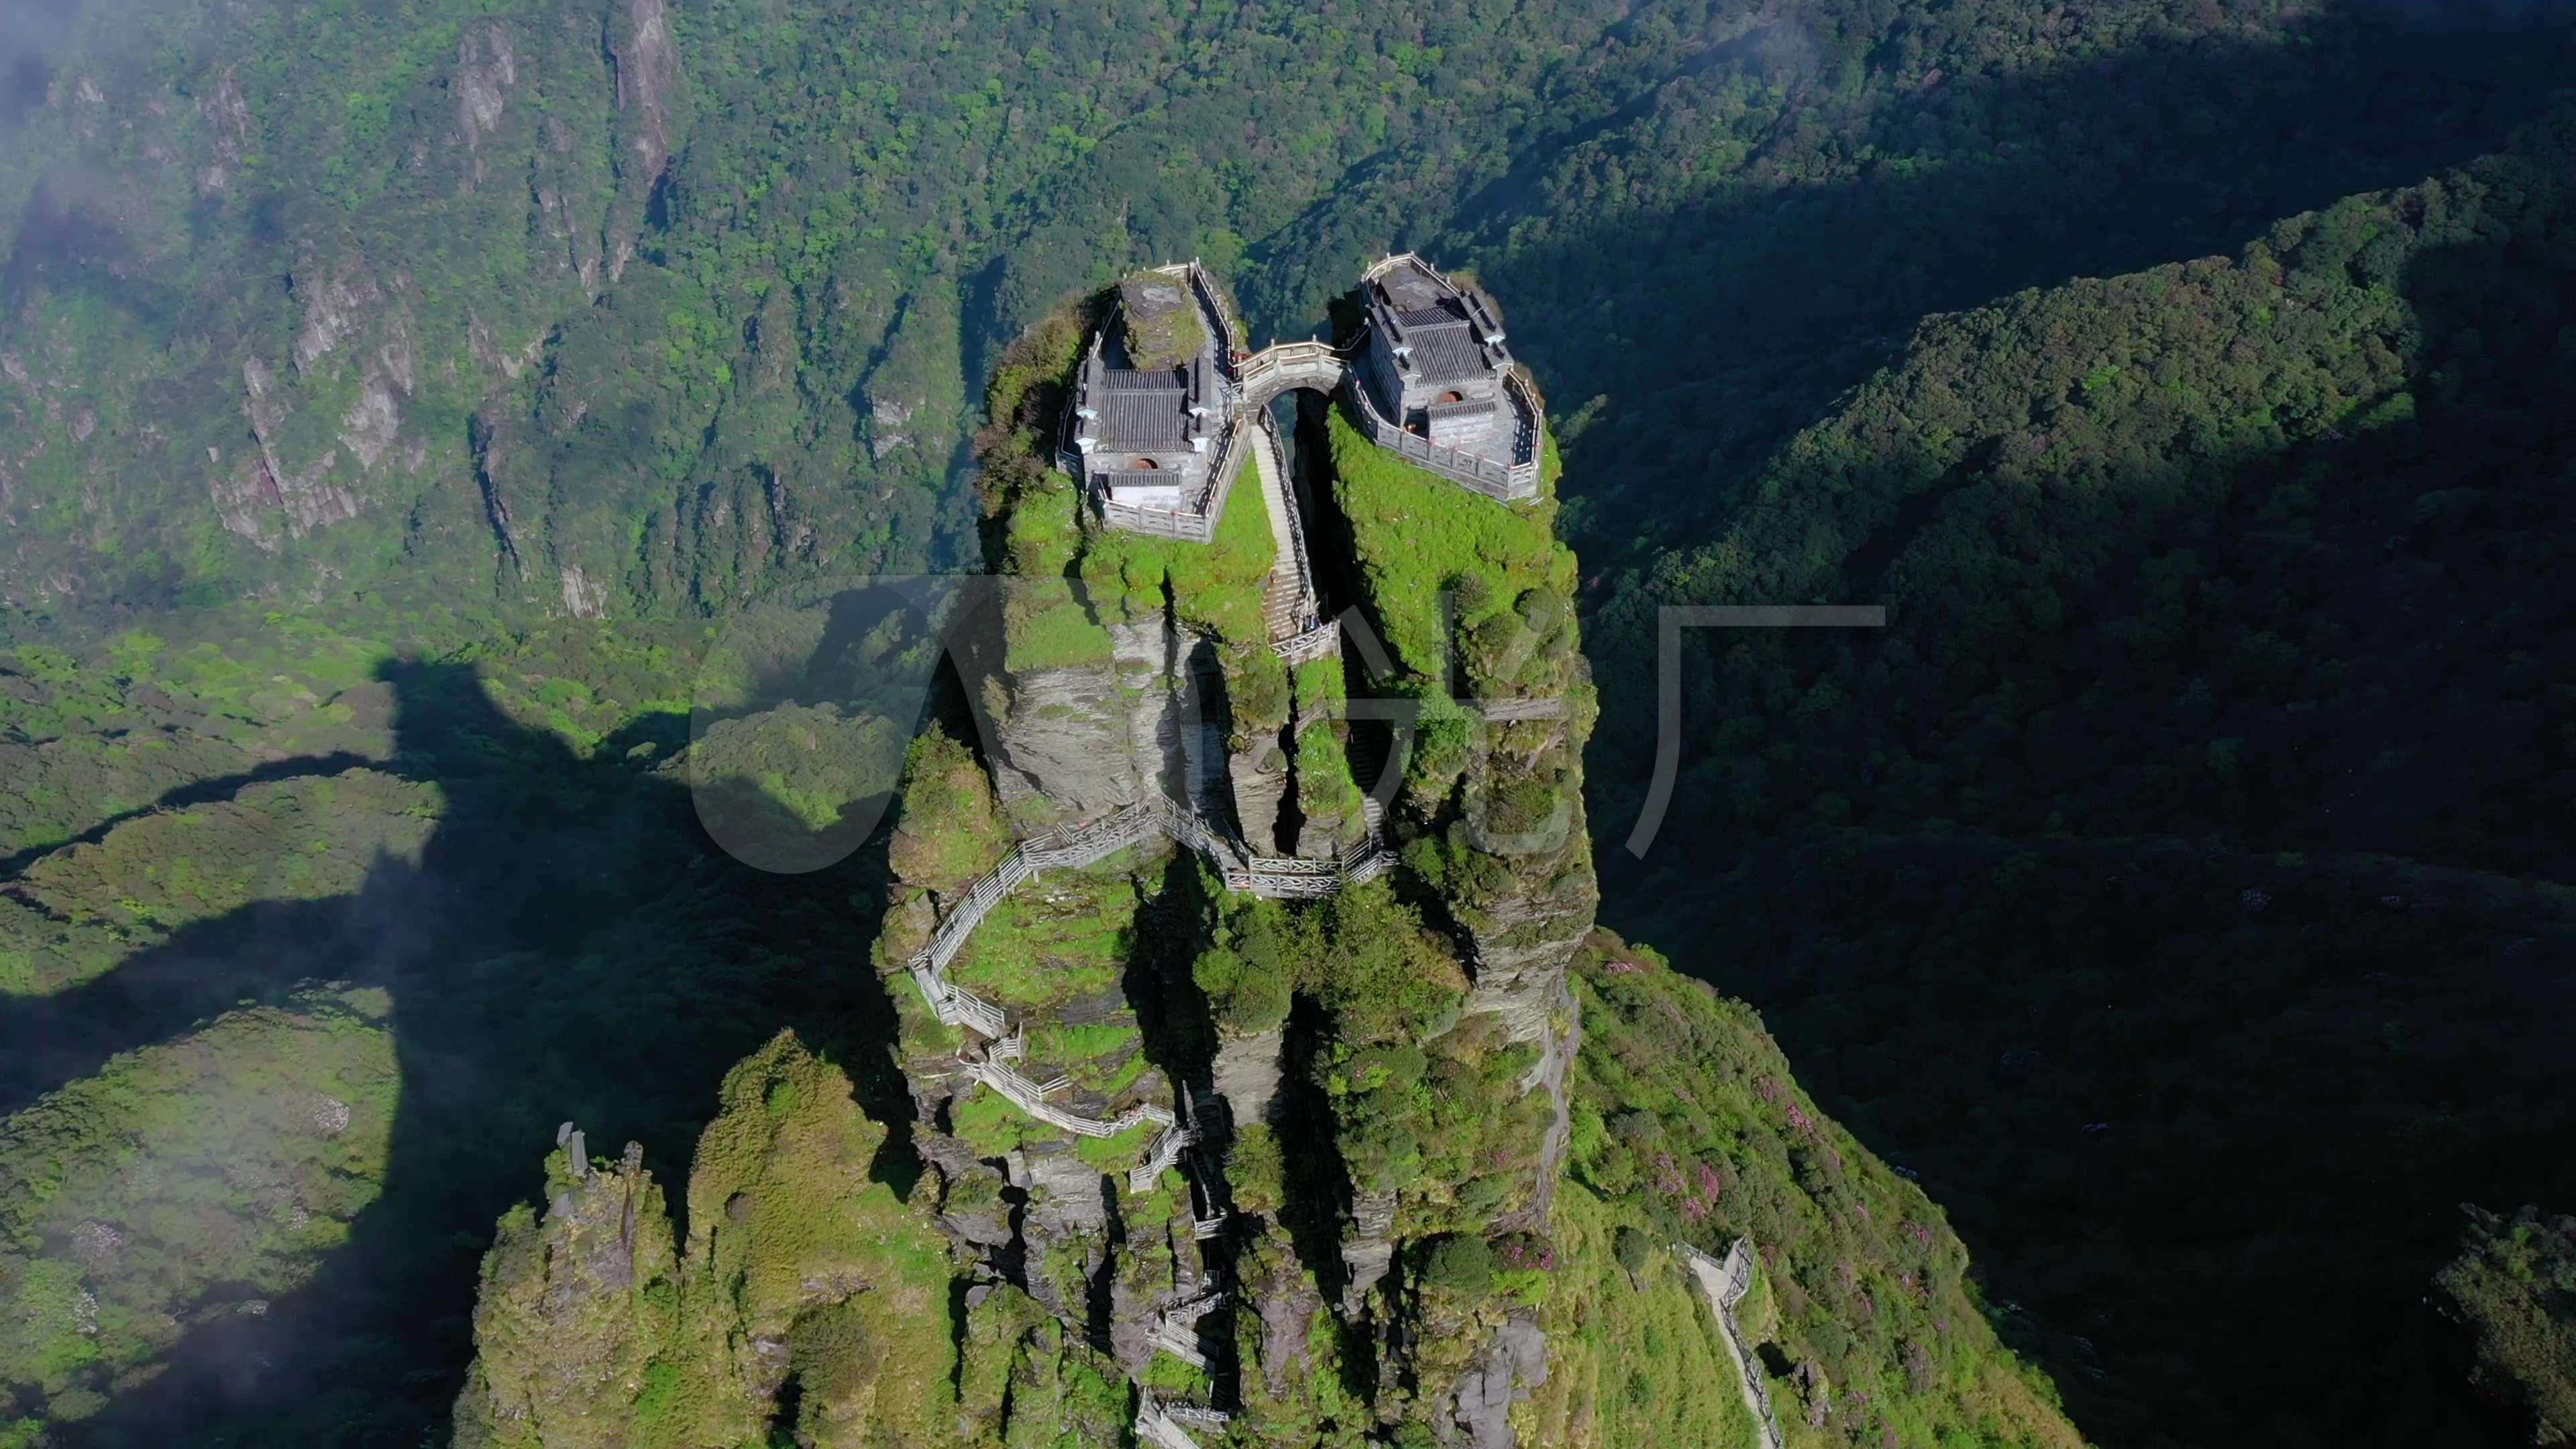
(1281, 605)
(1176, 1328)
(1167, 1151)
(1366, 749)
(1288, 603)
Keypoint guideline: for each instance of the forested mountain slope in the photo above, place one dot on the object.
(608, 304)
(592, 306)
(1432, 1156)
(2186, 835)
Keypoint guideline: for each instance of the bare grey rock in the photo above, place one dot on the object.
(1259, 777)
(1065, 1194)
(1287, 1310)
(1368, 1248)
(1515, 1363)
(1247, 1075)
(648, 73)
(1063, 746)
(486, 65)
(1078, 742)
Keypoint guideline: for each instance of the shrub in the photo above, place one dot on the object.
(1633, 1249)
(1460, 1263)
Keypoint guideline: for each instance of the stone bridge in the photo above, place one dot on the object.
(1252, 381)
(1284, 367)
(1262, 376)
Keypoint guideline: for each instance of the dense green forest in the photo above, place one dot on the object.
(2188, 834)
(604, 308)
(398, 400)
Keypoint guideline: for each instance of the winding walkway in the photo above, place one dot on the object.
(1725, 1283)
(1290, 610)
(1073, 847)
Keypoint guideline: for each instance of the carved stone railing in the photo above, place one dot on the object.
(1504, 711)
(1073, 847)
(1311, 645)
(1390, 262)
(1161, 522)
(1725, 1283)
(1191, 1310)
(1203, 287)
(1176, 1331)
(1372, 861)
(1526, 416)
(1286, 877)
(1159, 1425)
(1494, 479)
(1063, 847)
(1030, 1098)
(1283, 366)
(1058, 848)
(1166, 1151)
(1296, 877)
(954, 1004)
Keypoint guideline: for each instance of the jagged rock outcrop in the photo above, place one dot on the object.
(1515, 1362)
(1259, 779)
(1368, 1247)
(1247, 1072)
(565, 1337)
(797, 1265)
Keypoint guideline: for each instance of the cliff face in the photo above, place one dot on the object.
(1076, 741)
(449, 306)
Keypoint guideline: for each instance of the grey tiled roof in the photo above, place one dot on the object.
(1143, 409)
(1446, 353)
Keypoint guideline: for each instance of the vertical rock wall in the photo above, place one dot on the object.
(1077, 742)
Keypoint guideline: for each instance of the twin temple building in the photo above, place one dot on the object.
(1149, 427)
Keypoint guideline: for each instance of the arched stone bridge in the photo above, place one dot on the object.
(1260, 377)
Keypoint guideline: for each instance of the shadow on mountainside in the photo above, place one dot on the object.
(1715, 318)
(2177, 882)
(198, 792)
(568, 946)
